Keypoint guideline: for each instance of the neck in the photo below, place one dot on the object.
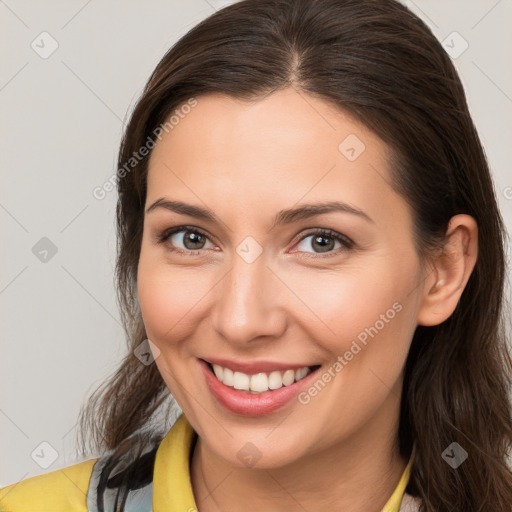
(358, 474)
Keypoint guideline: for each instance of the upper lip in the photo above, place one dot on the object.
(254, 366)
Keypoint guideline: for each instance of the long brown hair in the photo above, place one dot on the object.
(379, 62)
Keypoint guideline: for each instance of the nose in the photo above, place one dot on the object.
(249, 303)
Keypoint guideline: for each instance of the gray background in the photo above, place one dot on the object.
(62, 119)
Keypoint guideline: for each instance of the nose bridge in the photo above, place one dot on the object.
(247, 305)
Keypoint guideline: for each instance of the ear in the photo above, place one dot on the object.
(450, 271)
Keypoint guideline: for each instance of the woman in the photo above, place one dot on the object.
(311, 263)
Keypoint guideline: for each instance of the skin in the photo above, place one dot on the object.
(246, 162)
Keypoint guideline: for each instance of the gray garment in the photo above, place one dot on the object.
(125, 482)
(137, 500)
(410, 504)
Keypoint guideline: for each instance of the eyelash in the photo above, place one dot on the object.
(344, 240)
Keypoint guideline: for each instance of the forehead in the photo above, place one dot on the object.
(285, 148)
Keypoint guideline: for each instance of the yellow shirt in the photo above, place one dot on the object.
(65, 490)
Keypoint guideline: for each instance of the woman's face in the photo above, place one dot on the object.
(259, 290)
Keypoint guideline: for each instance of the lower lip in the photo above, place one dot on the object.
(249, 404)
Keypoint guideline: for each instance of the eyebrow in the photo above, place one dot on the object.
(287, 216)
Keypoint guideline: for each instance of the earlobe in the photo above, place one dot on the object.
(451, 270)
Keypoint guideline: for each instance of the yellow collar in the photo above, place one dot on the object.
(393, 504)
(172, 489)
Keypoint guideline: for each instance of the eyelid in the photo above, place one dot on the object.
(163, 236)
(347, 243)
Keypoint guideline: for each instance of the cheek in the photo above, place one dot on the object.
(350, 305)
(370, 325)
(169, 299)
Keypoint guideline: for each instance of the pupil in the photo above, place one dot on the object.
(323, 247)
(193, 238)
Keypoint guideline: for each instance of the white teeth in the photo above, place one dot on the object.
(301, 373)
(218, 371)
(288, 377)
(259, 382)
(275, 380)
(227, 377)
(241, 381)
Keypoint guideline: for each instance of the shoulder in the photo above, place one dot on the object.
(63, 490)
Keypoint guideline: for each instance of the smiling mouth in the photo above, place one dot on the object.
(259, 382)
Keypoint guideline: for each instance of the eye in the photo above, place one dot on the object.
(324, 240)
(192, 240)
